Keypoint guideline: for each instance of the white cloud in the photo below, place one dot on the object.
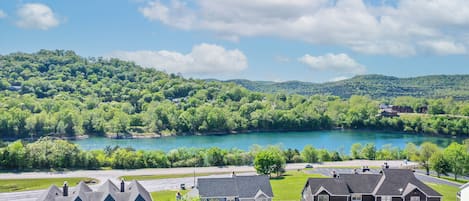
(333, 62)
(372, 29)
(335, 79)
(443, 47)
(204, 58)
(36, 16)
(2, 14)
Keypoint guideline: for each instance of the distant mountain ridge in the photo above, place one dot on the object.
(376, 86)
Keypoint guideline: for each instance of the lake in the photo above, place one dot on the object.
(332, 140)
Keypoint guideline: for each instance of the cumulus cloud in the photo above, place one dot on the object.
(204, 58)
(341, 63)
(378, 28)
(36, 16)
(443, 47)
(2, 14)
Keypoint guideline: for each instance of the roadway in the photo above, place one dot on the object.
(165, 184)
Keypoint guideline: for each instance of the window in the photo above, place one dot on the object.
(323, 197)
(386, 198)
(415, 198)
(356, 197)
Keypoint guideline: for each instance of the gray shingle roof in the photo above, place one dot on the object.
(334, 186)
(390, 183)
(131, 192)
(236, 186)
(395, 179)
(361, 183)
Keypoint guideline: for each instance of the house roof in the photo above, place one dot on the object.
(398, 179)
(391, 182)
(361, 183)
(334, 186)
(236, 186)
(108, 188)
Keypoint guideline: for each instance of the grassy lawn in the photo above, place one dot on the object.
(12, 185)
(448, 192)
(461, 181)
(166, 195)
(168, 176)
(289, 186)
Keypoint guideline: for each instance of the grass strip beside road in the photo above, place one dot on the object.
(166, 195)
(448, 192)
(170, 176)
(14, 185)
(460, 181)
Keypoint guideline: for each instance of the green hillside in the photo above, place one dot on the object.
(376, 86)
(59, 93)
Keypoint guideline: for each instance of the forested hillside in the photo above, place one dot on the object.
(375, 86)
(58, 93)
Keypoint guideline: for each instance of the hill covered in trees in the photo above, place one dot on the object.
(58, 93)
(375, 86)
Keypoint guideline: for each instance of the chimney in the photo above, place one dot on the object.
(65, 189)
(122, 186)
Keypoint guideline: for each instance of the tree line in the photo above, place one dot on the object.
(47, 153)
(58, 93)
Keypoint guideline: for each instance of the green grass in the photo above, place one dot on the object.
(166, 195)
(168, 176)
(13, 185)
(290, 185)
(461, 181)
(448, 192)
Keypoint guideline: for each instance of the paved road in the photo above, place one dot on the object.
(160, 184)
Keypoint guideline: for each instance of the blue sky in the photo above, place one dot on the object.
(277, 40)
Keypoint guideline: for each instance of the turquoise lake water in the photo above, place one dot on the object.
(332, 140)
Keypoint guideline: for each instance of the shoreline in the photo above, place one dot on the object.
(222, 133)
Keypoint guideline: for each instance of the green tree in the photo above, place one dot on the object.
(356, 150)
(411, 151)
(440, 163)
(369, 151)
(427, 149)
(215, 157)
(269, 161)
(309, 154)
(457, 155)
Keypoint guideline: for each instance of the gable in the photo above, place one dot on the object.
(140, 198)
(109, 198)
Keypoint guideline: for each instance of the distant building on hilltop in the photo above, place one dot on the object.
(106, 192)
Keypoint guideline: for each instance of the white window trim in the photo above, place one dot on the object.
(386, 198)
(352, 197)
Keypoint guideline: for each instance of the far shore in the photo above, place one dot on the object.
(160, 135)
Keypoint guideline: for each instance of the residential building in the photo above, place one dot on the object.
(390, 185)
(106, 192)
(234, 188)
